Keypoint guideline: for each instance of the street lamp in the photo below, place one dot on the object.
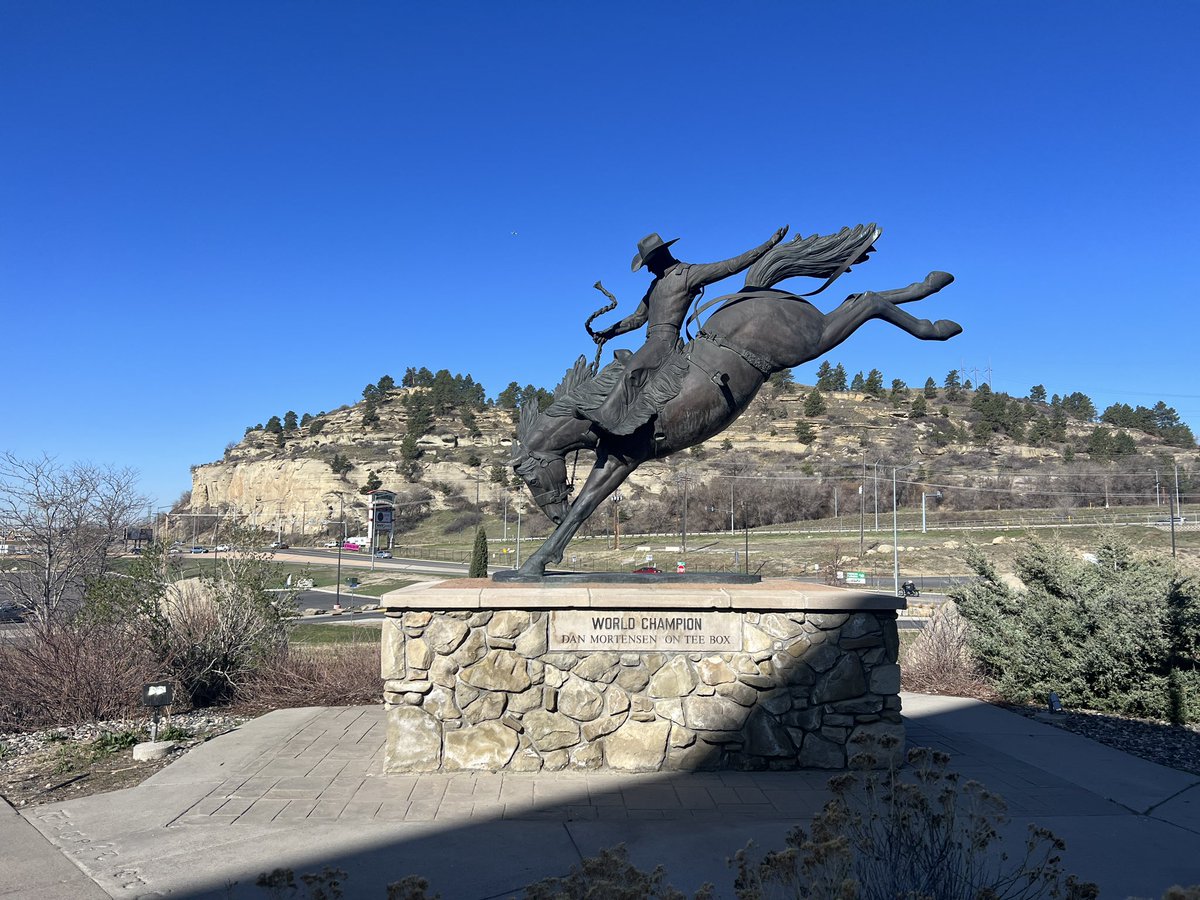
(896, 528)
(337, 603)
(937, 495)
(519, 507)
(616, 499)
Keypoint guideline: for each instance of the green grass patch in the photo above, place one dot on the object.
(334, 634)
(379, 588)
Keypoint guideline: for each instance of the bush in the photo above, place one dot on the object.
(479, 556)
(939, 660)
(1105, 636)
(917, 834)
(73, 674)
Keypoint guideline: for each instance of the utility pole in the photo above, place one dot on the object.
(895, 536)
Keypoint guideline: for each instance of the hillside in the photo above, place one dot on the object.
(791, 456)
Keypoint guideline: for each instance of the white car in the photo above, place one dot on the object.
(223, 548)
(331, 545)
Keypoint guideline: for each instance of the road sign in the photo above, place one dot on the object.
(856, 578)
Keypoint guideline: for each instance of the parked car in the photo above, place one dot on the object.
(647, 570)
(278, 545)
(350, 545)
(223, 548)
(331, 545)
(198, 550)
(382, 554)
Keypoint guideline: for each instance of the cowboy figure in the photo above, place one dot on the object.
(676, 284)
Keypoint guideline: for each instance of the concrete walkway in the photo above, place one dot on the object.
(302, 789)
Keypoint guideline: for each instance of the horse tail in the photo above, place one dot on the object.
(531, 412)
(816, 256)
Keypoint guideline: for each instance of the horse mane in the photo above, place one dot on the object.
(577, 388)
(818, 256)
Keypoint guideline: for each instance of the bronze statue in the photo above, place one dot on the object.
(670, 396)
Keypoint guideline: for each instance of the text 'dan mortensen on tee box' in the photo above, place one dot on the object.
(573, 629)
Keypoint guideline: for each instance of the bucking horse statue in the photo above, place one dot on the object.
(695, 390)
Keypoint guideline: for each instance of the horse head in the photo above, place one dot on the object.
(546, 476)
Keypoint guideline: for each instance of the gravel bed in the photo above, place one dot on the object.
(15, 745)
(1174, 746)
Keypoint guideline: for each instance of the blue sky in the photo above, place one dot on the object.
(214, 213)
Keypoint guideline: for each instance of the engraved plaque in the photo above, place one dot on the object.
(645, 631)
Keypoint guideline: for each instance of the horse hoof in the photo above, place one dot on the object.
(938, 280)
(946, 329)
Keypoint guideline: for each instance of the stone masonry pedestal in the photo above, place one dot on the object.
(517, 677)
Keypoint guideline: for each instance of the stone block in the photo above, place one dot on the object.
(818, 753)
(633, 680)
(443, 670)
(440, 702)
(776, 702)
(476, 619)
(822, 657)
(526, 760)
(564, 661)
(758, 682)
(579, 699)
(508, 623)
(391, 650)
(675, 679)
(780, 626)
(827, 621)
(489, 745)
(525, 700)
(845, 680)
(714, 713)
(402, 687)
(550, 730)
(637, 746)
(599, 667)
(738, 693)
(151, 750)
(695, 757)
(445, 634)
(418, 654)
(498, 643)
(555, 760)
(533, 641)
(416, 618)
(714, 670)
(414, 740)
(885, 679)
(766, 737)
(472, 649)
(669, 709)
(597, 728)
(489, 705)
(858, 625)
(681, 737)
(616, 700)
(755, 640)
(587, 756)
(499, 670)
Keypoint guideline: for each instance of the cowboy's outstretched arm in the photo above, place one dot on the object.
(707, 273)
(630, 323)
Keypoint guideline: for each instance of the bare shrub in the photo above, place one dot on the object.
(939, 660)
(916, 832)
(462, 522)
(62, 675)
(327, 675)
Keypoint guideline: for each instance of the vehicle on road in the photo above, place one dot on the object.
(278, 545)
(382, 554)
(350, 545)
(647, 570)
(198, 550)
(223, 548)
(331, 545)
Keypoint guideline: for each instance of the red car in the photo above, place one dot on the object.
(647, 570)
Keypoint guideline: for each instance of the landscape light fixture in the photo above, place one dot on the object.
(1055, 703)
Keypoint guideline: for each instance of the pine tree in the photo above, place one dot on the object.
(1037, 393)
(305, 419)
(805, 433)
(814, 404)
(918, 408)
(857, 383)
(479, 556)
(824, 375)
(274, 426)
(289, 420)
(386, 383)
(838, 381)
(899, 392)
(874, 383)
(952, 385)
(930, 389)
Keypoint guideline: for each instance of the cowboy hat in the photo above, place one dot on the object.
(647, 247)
